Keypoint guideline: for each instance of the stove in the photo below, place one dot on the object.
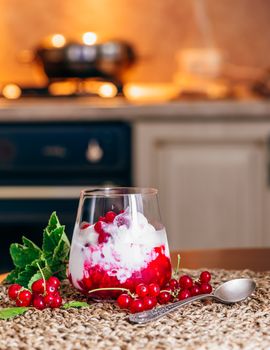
(66, 88)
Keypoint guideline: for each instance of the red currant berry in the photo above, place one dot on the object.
(206, 288)
(98, 227)
(149, 302)
(142, 290)
(110, 215)
(184, 294)
(123, 301)
(103, 237)
(13, 291)
(24, 298)
(50, 289)
(185, 282)
(57, 301)
(164, 297)
(153, 289)
(84, 225)
(205, 277)
(38, 286)
(48, 299)
(173, 283)
(195, 290)
(39, 302)
(54, 281)
(136, 306)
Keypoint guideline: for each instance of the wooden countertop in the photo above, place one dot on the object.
(256, 259)
(87, 109)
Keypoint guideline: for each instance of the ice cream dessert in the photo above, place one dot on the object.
(118, 251)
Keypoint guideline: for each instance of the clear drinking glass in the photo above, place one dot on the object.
(118, 242)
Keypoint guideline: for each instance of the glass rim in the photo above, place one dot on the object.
(118, 191)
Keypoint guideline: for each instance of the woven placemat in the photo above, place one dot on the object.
(206, 325)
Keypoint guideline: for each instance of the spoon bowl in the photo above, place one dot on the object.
(235, 290)
(229, 292)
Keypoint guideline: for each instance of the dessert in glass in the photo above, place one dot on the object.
(118, 242)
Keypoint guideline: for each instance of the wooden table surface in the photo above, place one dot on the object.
(256, 259)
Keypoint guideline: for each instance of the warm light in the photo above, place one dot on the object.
(58, 40)
(107, 90)
(63, 88)
(11, 91)
(89, 38)
(133, 92)
(159, 92)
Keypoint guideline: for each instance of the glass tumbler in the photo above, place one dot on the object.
(118, 242)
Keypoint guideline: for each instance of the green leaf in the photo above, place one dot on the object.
(53, 222)
(51, 239)
(26, 274)
(29, 259)
(61, 251)
(12, 276)
(30, 244)
(24, 254)
(76, 304)
(11, 312)
(59, 269)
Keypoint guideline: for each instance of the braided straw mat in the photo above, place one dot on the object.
(207, 325)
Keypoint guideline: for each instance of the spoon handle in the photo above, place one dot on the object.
(151, 315)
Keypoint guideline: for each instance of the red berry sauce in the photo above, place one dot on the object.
(108, 252)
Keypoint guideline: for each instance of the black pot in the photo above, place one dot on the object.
(107, 61)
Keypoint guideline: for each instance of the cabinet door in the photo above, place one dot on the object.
(211, 194)
(211, 179)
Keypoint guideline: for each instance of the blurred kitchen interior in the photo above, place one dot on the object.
(169, 94)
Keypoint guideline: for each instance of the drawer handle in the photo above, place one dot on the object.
(54, 151)
(94, 152)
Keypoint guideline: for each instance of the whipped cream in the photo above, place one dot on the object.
(129, 248)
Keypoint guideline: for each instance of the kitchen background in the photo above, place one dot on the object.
(180, 103)
(157, 29)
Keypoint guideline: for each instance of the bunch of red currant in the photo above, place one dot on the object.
(147, 296)
(42, 295)
(185, 287)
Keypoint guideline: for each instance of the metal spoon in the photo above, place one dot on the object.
(229, 292)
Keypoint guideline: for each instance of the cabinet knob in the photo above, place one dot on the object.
(94, 152)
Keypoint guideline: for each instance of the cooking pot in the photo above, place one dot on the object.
(108, 60)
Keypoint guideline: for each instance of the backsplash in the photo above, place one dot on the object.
(158, 29)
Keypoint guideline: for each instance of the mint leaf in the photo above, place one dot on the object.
(59, 269)
(76, 304)
(25, 275)
(28, 258)
(61, 251)
(11, 312)
(30, 244)
(12, 276)
(24, 254)
(51, 239)
(53, 222)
